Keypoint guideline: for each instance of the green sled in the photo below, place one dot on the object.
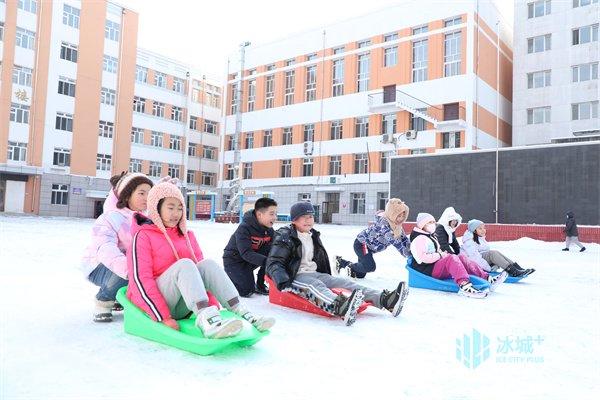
(188, 338)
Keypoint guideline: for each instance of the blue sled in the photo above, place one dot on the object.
(510, 279)
(417, 279)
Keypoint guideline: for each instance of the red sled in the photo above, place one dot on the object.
(292, 300)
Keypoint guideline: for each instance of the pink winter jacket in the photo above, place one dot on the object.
(148, 257)
(111, 237)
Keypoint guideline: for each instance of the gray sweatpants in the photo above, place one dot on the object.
(496, 259)
(184, 286)
(315, 287)
(573, 240)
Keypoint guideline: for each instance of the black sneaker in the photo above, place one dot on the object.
(565, 249)
(513, 270)
(347, 307)
(526, 271)
(117, 306)
(582, 250)
(261, 289)
(393, 301)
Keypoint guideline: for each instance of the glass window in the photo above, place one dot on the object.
(361, 127)
(103, 162)
(108, 96)
(71, 16)
(584, 72)
(289, 87)
(539, 115)
(390, 56)
(137, 135)
(112, 30)
(286, 168)
(336, 130)
(358, 203)
(22, 75)
(311, 83)
(17, 151)
(452, 42)
(25, 38)
(335, 165)
(538, 79)
(361, 163)
(338, 78)
(420, 59)
(538, 8)
(363, 68)
(60, 194)
(19, 113)
(64, 122)
(110, 64)
(68, 52)
(61, 157)
(106, 129)
(141, 74)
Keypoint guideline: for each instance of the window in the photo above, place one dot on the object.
(311, 57)
(417, 123)
(139, 104)
(335, 165)
(538, 79)
(28, 5)
(176, 113)
(338, 78)
(290, 62)
(247, 171)
(60, 194)
(192, 149)
(418, 151)
(309, 132)
(304, 197)
(584, 72)
(175, 143)
(388, 123)
(453, 21)
(539, 43)
(585, 34)
(174, 171)
(385, 161)
(22, 75)
(249, 140)
(582, 3)
(110, 64)
(268, 138)
(135, 165)
(156, 139)
(108, 96)
(269, 91)
(71, 16)
(450, 140)
(361, 163)
(178, 85)
(338, 50)
(336, 130)
(25, 38)
(539, 115)
(106, 129)
(160, 79)
(270, 67)
(191, 176)
(287, 136)
(111, 30)
(193, 123)
(358, 203)
(390, 37)
(311, 83)
(420, 29)
(66, 86)
(585, 110)
(229, 140)
(286, 168)
(234, 98)
(251, 94)
(141, 74)
(361, 127)
(103, 162)
(210, 127)
(538, 8)
(382, 198)
(158, 109)
(230, 172)
(61, 157)
(307, 166)
(64, 122)
(209, 152)
(137, 135)
(17, 151)
(289, 87)
(363, 43)
(362, 76)
(19, 113)
(452, 54)
(68, 52)
(208, 178)
(390, 56)
(155, 169)
(419, 63)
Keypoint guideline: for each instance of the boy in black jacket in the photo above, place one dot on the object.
(299, 263)
(249, 246)
(571, 233)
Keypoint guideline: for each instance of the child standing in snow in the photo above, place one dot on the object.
(477, 249)
(429, 259)
(571, 233)
(299, 263)
(169, 276)
(387, 230)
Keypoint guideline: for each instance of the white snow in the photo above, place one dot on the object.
(51, 349)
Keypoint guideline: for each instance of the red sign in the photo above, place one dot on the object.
(203, 207)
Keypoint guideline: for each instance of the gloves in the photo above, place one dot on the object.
(171, 323)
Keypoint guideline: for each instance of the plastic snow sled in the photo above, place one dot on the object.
(188, 338)
(510, 279)
(292, 300)
(417, 279)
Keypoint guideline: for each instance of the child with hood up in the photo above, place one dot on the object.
(571, 234)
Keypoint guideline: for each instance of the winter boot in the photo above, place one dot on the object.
(117, 306)
(103, 311)
(393, 301)
(209, 321)
(261, 288)
(582, 249)
(565, 249)
(340, 264)
(467, 289)
(526, 272)
(260, 323)
(514, 271)
(347, 307)
(495, 280)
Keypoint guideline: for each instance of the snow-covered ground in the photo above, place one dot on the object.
(547, 328)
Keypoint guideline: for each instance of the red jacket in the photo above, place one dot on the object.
(148, 257)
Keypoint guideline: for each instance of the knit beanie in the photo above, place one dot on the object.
(423, 219)
(127, 185)
(301, 208)
(473, 224)
(393, 208)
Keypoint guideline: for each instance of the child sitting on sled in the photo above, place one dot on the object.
(429, 259)
(169, 277)
(299, 263)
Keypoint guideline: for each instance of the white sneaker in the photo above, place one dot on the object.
(214, 327)
(260, 323)
(497, 280)
(103, 311)
(468, 290)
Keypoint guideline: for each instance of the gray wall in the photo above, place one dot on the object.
(537, 185)
(79, 204)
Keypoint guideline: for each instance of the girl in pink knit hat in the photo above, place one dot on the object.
(169, 276)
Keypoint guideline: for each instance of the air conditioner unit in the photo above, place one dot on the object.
(411, 135)
(308, 148)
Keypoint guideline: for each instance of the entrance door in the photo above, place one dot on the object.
(14, 198)
(98, 208)
(331, 205)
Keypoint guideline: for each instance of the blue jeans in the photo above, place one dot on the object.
(365, 263)
(108, 281)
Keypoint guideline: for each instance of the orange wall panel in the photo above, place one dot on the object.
(10, 29)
